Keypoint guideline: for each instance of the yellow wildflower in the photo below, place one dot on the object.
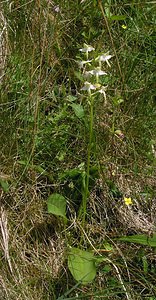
(128, 201)
(124, 26)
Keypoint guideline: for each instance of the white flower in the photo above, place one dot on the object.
(97, 71)
(88, 86)
(83, 62)
(104, 57)
(87, 48)
(103, 91)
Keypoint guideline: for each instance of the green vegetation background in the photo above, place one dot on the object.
(44, 146)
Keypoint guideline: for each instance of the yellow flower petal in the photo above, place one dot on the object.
(124, 26)
(128, 201)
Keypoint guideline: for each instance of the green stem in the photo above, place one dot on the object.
(86, 190)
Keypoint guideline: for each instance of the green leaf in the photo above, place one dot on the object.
(107, 9)
(57, 205)
(141, 239)
(71, 98)
(70, 174)
(5, 186)
(23, 162)
(82, 265)
(118, 18)
(78, 109)
(117, 101)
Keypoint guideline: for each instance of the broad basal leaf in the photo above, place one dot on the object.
(78, 109)
(57, 205)
(82, 265)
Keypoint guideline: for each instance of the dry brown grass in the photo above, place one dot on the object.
(32, 249)
(4, 50)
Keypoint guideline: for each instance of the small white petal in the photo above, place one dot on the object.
(104, 57)
(97, 72)
(103, 91)
(87, 48)
(88, 86)
(83, 62)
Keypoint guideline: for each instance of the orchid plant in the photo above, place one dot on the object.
(82, 263)
(92, 71)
